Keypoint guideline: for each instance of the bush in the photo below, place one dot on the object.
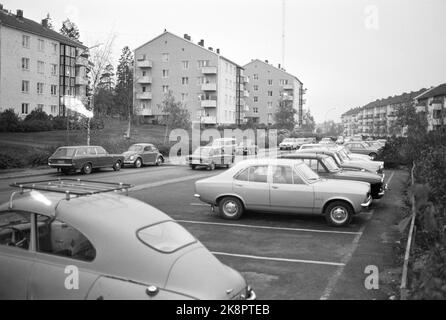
(36, 126)
(9, 121)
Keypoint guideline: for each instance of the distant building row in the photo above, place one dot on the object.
(378, 118)
(213, 88)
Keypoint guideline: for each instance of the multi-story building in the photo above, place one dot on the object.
(433, 104)
(267, 85)
(377, 118)
(209, 85)
(39, 67)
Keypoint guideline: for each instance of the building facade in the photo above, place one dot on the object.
(377, 118)
(432, 104)
(267, 85)
(39, 68)
(209, 85)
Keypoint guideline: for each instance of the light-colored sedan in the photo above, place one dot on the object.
(86, 240)
(282, 185)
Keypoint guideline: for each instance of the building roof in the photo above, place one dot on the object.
(190, 42)
(433, 92)
(272, 66)
(11, 20)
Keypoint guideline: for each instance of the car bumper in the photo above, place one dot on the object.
(62, 165)
(129, 162)
(367, 203)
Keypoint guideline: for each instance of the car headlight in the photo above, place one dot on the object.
(132, 158)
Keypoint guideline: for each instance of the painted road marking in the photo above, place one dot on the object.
(165, 182)
(266, 227)
(337, 264)
(390, 178)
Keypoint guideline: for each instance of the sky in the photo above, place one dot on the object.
(346, 52)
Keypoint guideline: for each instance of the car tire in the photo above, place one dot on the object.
(117, 166)
(338, 213)
(230, 208)
(87, 169)
(211, 167)
(138, 163)
(193, 167)
(158, 162)
(373, 155)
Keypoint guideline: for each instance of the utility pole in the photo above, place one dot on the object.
(283, 33)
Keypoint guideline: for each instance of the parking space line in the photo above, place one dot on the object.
(165, 182)
(390, 178)
(266, 227)
(336, 264)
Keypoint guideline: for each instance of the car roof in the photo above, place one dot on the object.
(306, 155)
(311, 145)
(266, 161)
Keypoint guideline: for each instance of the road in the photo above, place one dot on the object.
(282, 256)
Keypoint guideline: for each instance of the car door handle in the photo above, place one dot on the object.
(275, 187)
(239, 185)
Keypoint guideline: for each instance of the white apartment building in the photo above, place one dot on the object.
(207, 84)
(38, 66)
(433, 104)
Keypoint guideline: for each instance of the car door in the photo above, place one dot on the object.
(92, 156)
(16, 255)
(149, 155)
(104, 160)
(251, 184)
(62, 268)
(289, 192)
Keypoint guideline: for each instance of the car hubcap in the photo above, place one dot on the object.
(87, 169)
(230, 208)
(118, 165)
(138, 163)
(339, 215)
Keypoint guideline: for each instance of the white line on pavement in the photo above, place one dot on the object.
(266, 227)
(279, 259)
(165, 182)
(390, 178)
(345, 260)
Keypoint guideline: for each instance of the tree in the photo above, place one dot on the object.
(124, 83)
(285, 114)
(308, 123)
(176, 117)
(70, 30)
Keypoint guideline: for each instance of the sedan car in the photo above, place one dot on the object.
(283, 185)
(326, 167)
(78, 240)
(289, 144)
(142, 154)
(85, 159)
(210, 157)
(362, 148)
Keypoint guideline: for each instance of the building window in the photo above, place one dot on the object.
(41, 44)
(25, 41)
(270, 93)
(256, 88)
(256, 76)
(54, 48)
(165, 73)
(185, 65)
(53, 109)
(54, 69)
(165, 57)
(40, 66)
(201, 80)
(270, 82)
(144, 89)
(184, 97)
(25, 64)
(25, 86)
(25, 107)
(255, 110)
(53, 90)
(40, 107)
(185, 81)
(203, 63)
(270, 104)
(256, 99)
(39, 88)
(165, 89)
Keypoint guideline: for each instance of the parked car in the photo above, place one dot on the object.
(142, 154)
(352, 156)
(282, 185)
(117, 247)
(247, 147)
(289, 144)
(375, 144)
(309, 146)
(85, 159)
(362, 148)
(326, 167)
(382, 141)
(210, 157)
(229, 145)
(340, 140)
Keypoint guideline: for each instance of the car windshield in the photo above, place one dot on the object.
(136, 148)
(338, 158)
(202, 152)
(65, 152)
(166, 237)
(309, 174)
(300, 140)
(343, 154)
(331, 164)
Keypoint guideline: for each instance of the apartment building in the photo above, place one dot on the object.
(38, 66)
(377, 118)
(433, 104)
(209, 85)
(266, 85)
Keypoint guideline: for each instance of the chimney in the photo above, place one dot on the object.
(45, 23)
(218, 51)
(201, 43)
(279, 66)
(266, 61)
(186, 36)
(211, 49)
(19, 14)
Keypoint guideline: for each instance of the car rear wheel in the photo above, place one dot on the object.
(117, 166)
(158, 162)
(373, 155)
(87, 168)
(338, 213)
(138, 163)
(231, 208)
(211, 167)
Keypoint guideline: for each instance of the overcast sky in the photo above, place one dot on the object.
(346, 52)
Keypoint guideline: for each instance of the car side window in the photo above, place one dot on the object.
(282, 175)
(58, 238)
(320, 168)
(15, 229)
(91, 151)
(258, 174)
(81, 152)
(313, 165)
(243, 175)
(101, 151)
(296, 178)
(148, 149)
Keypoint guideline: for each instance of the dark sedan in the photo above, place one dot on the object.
(85, 159)
(326, 167)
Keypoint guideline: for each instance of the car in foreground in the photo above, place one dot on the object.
(283, 185)
(326, 141)
(247, 148)
(142, 154)
(289, 144)
(84, 158)
(363, 148)
(326, 167)
(70, 239)
(210, 158)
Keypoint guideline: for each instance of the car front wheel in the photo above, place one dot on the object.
(159, 161)
(338, 213)
(117, 166)
(87, 168)
(231, 208)
(138, 163)
(211, 167)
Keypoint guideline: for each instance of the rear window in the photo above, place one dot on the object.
(165, 237)
(64, 152)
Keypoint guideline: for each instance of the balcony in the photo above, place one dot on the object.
(209, 103)
(208, 120)
(246, 79)
(144, 63)
(436, 122)
(145, 80)
(288, 87)
(209, 70)
(436, 106)
(146, 112)
(246, 93)
(82, 61)
(288, 98)
(144, 96)
(81, 81)
(209, 87)
(420, 108)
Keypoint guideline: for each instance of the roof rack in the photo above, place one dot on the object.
(75, 187)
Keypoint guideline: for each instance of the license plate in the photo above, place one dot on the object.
(61, 161)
